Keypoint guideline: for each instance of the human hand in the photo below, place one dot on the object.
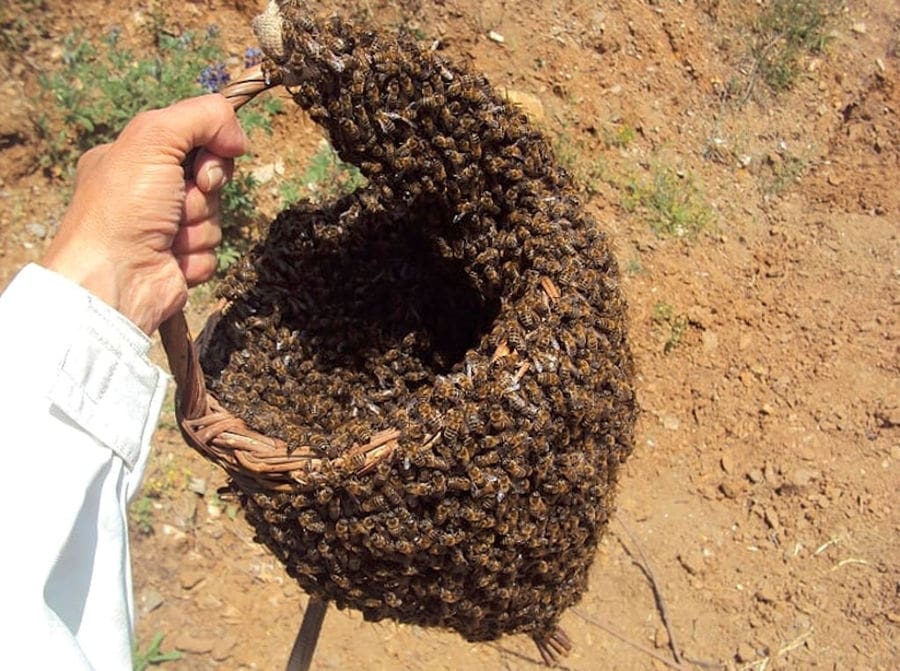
(136, 234)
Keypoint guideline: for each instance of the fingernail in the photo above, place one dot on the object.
(215, 177)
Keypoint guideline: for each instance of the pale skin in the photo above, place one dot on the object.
(137, 234)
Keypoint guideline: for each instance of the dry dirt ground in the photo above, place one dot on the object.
(762, 493)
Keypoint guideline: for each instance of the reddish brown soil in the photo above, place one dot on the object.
(763, 487)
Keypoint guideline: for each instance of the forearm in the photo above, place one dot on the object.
(78, 405)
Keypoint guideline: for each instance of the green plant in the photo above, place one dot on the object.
(98, 90)
(785, 170)
(141, 515)
(571, 155)
(258, 113)
(673, 325)
(153, 655)
(619, 136)
(326, 177)
(634, 266)
(672, 202)
(783, 32)
(238, 211)
(165, 476)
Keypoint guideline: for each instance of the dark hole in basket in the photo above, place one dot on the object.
(391, 292)
(359, 292)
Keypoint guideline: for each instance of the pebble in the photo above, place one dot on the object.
(801, 477)
(745, 653)
(197, 485)
(494, 36)
(755, 476)
(670, 422)
(223, 647)
(661, 638)
(151, 600)
(194, 644)
(767, 594)
(693, 562)
(771, 518)
(266, 173)
(529, 103)
(859, 28)
(191, 578)
(727, 463)
(732, 489)
(37, 230)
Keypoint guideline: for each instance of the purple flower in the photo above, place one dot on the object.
(253, 56)
(214, 77)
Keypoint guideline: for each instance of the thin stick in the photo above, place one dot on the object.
(657, 592)
(621, 637)
(308, 636)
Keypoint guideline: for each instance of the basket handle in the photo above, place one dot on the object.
(184, 360)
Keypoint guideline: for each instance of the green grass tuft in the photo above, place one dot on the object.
(671, 202)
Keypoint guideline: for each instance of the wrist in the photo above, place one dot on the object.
(142, 302)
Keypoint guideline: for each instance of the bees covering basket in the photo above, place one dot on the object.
(435, 367)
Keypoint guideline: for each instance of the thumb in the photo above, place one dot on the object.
(206, 121)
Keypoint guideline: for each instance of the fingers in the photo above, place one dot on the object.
(199, 206)
(197, 268)
(199, 237)
(211, 171)
(206, 121)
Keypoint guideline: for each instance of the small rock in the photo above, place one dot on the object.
(494, 36)
(670, 422)
(197, 485)
(727, 463)
(755, 476)
(194, 644)
(223, 647)
(692, 562)
(39, 231)
(151, 600)
(771, 518)
(264, 173)
(767, 594)
(232, 613)
(745, 653)
(766, 409)
(529, 103)
(191, 578)
(710, 341)
(859, 28)
(732, 489)
(801, 477)
(661, 638)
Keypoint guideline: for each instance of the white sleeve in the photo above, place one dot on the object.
(79, 401)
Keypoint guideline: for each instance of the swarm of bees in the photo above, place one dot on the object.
(462, 297)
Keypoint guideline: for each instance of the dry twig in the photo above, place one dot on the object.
(637, 646)
(641, 561)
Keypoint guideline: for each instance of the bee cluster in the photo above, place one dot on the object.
(462, 297)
